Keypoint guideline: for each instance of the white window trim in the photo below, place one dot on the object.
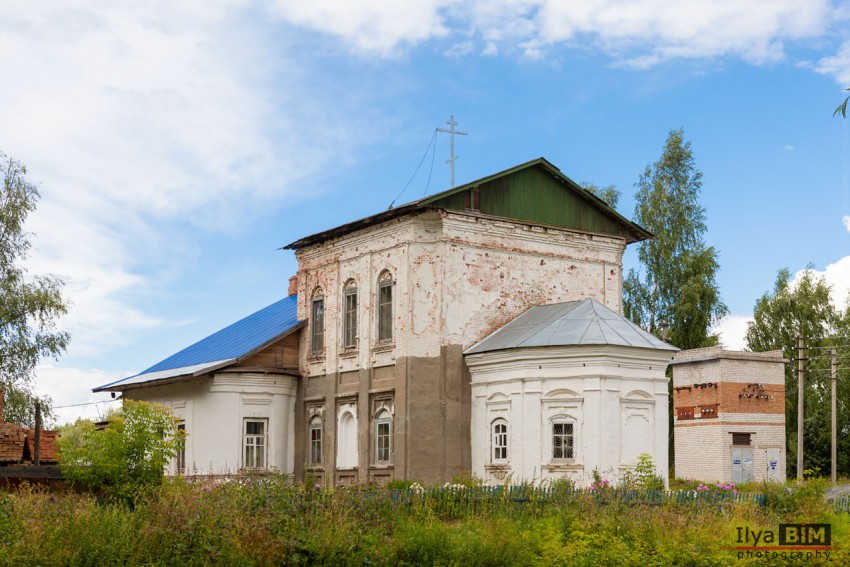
(383, 418)
(495, 438)
(385, 280)
(566, 406)
(253, 437)
(315, 424)
(316, 349)
(349, 324)
(565, 420)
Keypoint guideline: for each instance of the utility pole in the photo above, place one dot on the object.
(452, 157)
(37, 456)
(834, 476)
(800, 371)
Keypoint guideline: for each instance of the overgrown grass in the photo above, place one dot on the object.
(269, 521)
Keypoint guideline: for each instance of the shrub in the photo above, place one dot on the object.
(128, 455)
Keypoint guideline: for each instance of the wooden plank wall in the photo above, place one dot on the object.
(282, 354)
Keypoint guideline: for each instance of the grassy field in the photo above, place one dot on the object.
(269, 521)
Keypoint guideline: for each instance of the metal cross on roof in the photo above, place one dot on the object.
(452, 157)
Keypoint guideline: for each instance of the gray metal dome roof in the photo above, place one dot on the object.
(585, 322)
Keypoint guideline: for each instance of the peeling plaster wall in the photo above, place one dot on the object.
(458, 277)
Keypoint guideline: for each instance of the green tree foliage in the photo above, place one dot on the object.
(676, 280)
(128, 455)
(804, 308)
(610, 194)
(29, 305)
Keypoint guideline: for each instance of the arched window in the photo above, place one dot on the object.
(499, 430)
(317, 322)
(383, 437)
(349, 314)
(315, 436)
(385, 307)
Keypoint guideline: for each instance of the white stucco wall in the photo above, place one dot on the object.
(616, 395)
(214, 410)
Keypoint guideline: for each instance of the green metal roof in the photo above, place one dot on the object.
(536, 192)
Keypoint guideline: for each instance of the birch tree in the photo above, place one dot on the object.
(674, 286)
(29, 305)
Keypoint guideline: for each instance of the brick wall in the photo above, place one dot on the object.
(748, 393)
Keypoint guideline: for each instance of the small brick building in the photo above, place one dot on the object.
(729, 415)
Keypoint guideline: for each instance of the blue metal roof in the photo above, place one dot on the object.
(231, 343)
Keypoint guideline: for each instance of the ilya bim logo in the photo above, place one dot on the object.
(790, 541)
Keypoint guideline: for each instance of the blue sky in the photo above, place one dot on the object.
(179, 145)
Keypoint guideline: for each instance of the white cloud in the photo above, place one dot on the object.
(837, 276)
(71, 389)
(789, 148)
(138, 120)
(657, 29)
(838, 65)
(733, 330)
(371, 26)
(845, 220)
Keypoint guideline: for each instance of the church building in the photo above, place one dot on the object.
(478, 329)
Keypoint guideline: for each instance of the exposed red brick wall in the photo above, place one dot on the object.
(733, 397)
(48, 449)
(12, 439)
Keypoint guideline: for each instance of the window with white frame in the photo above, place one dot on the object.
(383, 437)
(255, 444)
(500, 441)
(317, 323)
(563, 440)
(385, 307)
(315, 435)
(349, 311)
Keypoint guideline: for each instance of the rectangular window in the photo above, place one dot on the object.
(317, 325)
(349, 330)
(181, 454)
(562, 441)
(385, 311)
(383, 439)
(255, 444)
(741, 439)
(316, 443)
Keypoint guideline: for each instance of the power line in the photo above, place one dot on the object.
(424, 155)
(86, 404)
(431, 171)
(825, 347)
